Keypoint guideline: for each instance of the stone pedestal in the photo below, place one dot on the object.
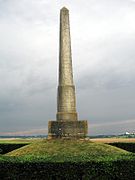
(67, 129)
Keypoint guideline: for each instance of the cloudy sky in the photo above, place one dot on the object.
(103, 48)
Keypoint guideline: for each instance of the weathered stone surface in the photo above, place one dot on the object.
(67, 129)
(66, 90)
(67, 124)
(66, 99)
(65, 56)
(66, 116)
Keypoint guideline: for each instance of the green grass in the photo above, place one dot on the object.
(67, 151)
(17, 141)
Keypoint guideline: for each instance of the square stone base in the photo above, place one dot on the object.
(67, 129)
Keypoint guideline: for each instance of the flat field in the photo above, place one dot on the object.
(18, 140)
(30, 140)
(113, 140)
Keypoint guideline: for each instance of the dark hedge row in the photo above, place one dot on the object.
(111, 170)
(5, 148)
(126, 146)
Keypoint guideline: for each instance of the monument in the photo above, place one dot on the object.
(66, 124)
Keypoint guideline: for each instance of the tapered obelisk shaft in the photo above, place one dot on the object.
(66, 105)
(65, 56)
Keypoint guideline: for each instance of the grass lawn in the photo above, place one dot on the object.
(67, 151)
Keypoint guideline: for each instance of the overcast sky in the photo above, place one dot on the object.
(103, 48)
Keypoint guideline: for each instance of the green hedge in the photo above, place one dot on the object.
(121, 169)
(126, 146)
(25, 168)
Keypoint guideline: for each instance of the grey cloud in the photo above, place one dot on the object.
(103, 60)
(26, 11)
(112, 128)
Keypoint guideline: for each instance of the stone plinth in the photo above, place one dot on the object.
(67, 129)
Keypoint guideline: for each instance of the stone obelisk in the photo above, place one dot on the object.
(66, 90)
(67, 124)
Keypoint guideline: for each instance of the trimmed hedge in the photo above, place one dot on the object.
(106, 170)
(5, 148)
(126, 146)
(26, 168)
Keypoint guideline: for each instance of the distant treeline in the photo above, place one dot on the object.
(111, 136)
(92, 137)
(34, 136)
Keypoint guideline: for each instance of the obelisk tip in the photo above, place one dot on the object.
(64, 9)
